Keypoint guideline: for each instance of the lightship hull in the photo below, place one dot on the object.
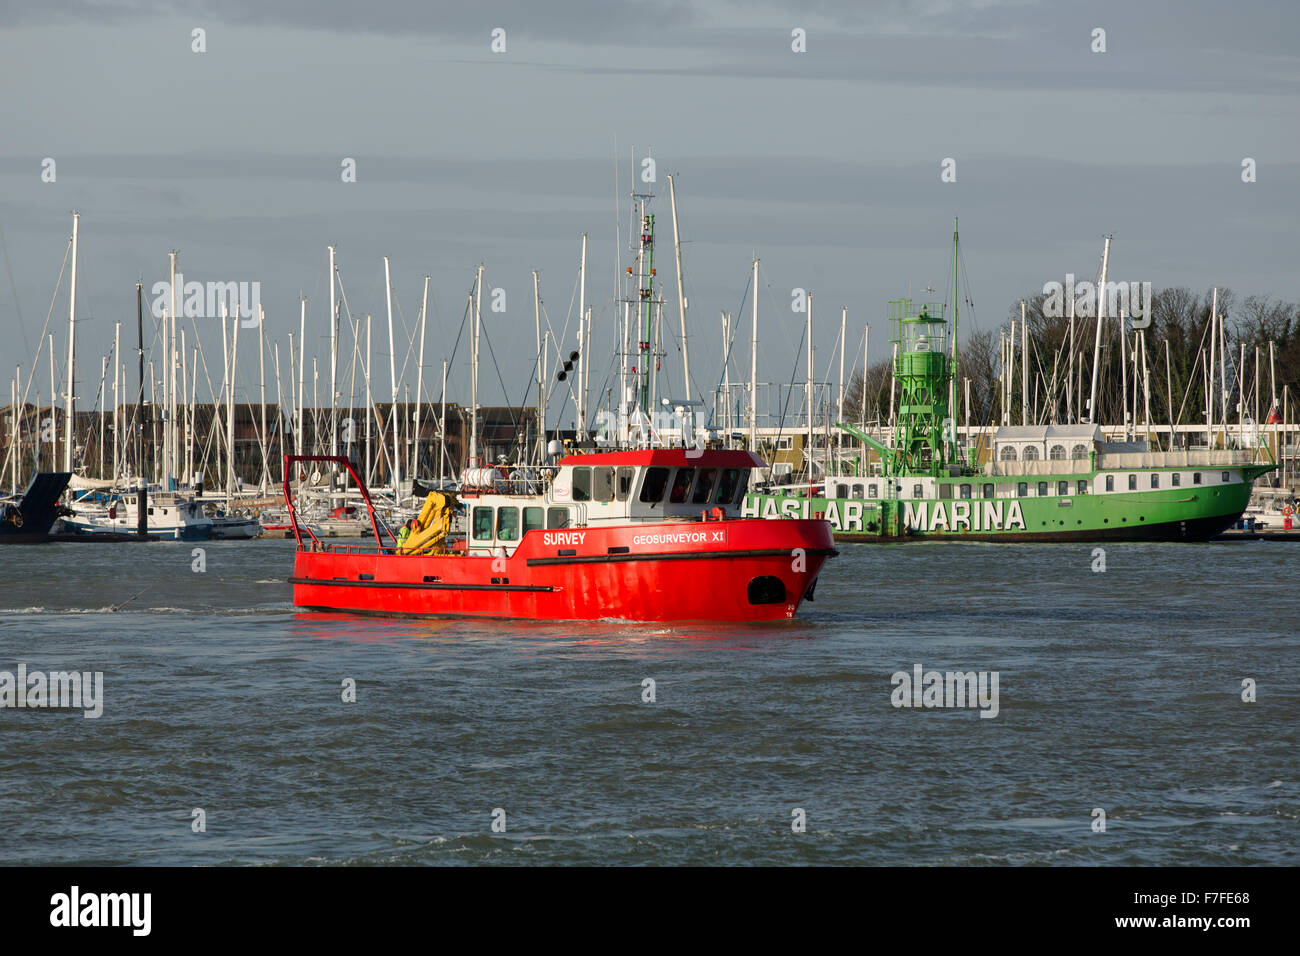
(1195, 513)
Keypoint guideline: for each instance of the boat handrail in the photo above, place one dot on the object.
(289, 471)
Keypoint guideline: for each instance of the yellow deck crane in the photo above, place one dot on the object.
(432, 525)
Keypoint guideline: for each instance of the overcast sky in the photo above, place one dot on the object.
(825, 164)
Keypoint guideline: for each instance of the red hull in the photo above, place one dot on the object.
(674, 571)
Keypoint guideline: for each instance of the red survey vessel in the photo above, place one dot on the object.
(651, 535)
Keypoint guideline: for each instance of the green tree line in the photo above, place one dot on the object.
(1180, 323)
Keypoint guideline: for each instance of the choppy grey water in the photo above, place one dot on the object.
(1119, 691)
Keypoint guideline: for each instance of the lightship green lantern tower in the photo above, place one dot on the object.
(922, 372)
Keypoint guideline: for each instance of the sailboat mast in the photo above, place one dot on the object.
(392, 375)
(753, 365)
(866, 354)
(194, 401)
(302, 371)
(117, 365)
(262, 437)
(419, 379)
(232, 480)
(809, 448)
(722, 414)
(1241, 398)
(370, 407)
(141, 422)
(1123, 372)
(1024, 366)
(1223, 371)
(952, 381)
(1208, 375)
(185, 390)
(537, 328)
(580, 399)
(72, 353)
(839, 406)
(1069, 381)
(1146, 386)
(16, 442)
(1096, 347)
(442, 425)
(681, 295)
(141, 483)
(334, 368)
(1256, 405)
(279, 399)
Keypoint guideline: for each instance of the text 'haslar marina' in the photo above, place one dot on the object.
(917, 515)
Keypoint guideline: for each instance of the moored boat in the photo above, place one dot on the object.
(27, 520)
(645, 535)
(1038, 482)
(233, 527)
(170, 517)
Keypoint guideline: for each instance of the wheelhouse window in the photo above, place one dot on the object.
(582, 484)
(508, 524)
(654, 485)
(557, 517)
(744, 486)
(727, 486)
(623, 484)
(704, 486)
(681, 485)
(482, 524)
(533, 518)
(603, 480)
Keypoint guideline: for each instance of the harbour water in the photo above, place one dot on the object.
(1118, 690)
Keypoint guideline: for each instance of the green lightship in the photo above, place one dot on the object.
(1041, 483)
